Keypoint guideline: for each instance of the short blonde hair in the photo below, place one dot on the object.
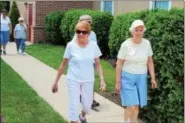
(83, 24)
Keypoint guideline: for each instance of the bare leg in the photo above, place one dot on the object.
(135, 115)
(4, 47)
(128, 112)
(83, 114)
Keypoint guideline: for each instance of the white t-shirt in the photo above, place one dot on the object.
(92, 37)
(135, 56)
(5, 23)
(81, 61)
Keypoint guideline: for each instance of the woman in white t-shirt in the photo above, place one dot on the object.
(92, 37)
(5, 30)
(134, 58)
(80, 56)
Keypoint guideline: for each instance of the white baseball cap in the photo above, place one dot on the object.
(21, 19)
(135, 24)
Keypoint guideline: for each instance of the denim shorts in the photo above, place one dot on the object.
(133, 89)
(4, 37)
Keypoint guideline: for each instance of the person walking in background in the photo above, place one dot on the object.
(134, 57)
(20, 35)
(5, 31)
(81, 55)
(92, 37)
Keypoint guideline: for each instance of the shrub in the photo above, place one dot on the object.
(165, 30)
(52, 23)
(119, 30)
(101, 22)
(1, 6)
(14, 15)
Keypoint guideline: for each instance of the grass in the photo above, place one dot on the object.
(52, 56)
(20, 103)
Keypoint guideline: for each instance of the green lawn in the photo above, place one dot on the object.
(20, 103)
(52, 56)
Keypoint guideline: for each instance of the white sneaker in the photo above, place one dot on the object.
(24, 53)
(19, 52)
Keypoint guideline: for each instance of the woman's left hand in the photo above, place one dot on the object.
(102, 85)
(154, 83)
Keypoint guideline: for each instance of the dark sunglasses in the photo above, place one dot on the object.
(89, 22)
(83, 32)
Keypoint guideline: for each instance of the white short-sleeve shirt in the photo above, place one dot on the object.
(5, 23)
(135, 56)
(81, 61)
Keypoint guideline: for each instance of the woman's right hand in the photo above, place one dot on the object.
(117, 87)
(55, 88)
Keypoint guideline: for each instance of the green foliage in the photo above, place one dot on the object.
(52, 22)
(101, 22)
(119, 30)
(1, 6)
(14, 16)
(165, 30)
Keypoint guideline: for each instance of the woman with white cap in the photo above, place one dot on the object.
(20, 35)
(5, 30)
(134, 58)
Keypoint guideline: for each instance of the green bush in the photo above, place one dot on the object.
(101, 22)
(14, 16)
(119, 30)
(52, 22)
(1, 6)
(165, 30)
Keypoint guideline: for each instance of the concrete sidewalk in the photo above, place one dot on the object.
(41, 77)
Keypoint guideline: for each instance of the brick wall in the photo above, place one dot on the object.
(44, 7)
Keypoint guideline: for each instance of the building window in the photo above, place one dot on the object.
(160, 4)
(107, 6)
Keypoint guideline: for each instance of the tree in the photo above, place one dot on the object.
(14, 15)
(1, 6)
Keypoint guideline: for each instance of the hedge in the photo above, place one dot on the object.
(1, 6)
(53, 32)
(165, 30)
(101, 22)
(14, 16)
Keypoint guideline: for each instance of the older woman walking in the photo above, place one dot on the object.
(92, 37)
(134, 58)
(81, 55)
(5, 31)
(20, 35)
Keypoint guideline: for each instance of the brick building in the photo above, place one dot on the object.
(35, 11)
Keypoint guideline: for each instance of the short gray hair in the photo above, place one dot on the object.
(85, 17)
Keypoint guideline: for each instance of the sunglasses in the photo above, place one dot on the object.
(89, 22)
(83, 32)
